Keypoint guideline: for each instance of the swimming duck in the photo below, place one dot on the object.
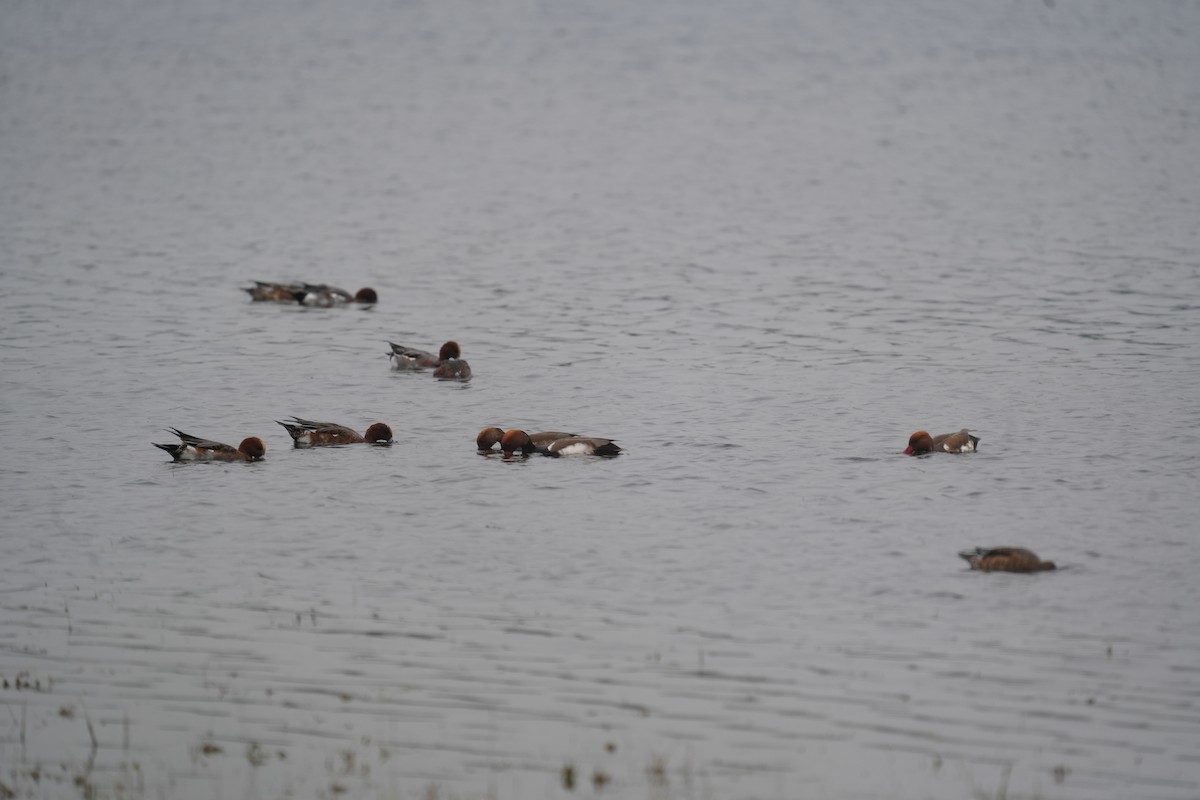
(323, 296)
(489, 437)
(193, 448)
(517, 440)
(1005, 559)
(447, 364)
(307, 433)
(960, 442)
(309, 294)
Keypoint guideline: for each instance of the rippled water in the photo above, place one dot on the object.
(759, 244)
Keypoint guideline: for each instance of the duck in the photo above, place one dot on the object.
(319, 295)
(307, 433)
(193, 448)
(960, 442)
(448, 363)
(1005, 559)
(323, 296)
(515, 440)
(489, 437)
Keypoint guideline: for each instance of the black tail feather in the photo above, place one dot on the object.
(174, 449)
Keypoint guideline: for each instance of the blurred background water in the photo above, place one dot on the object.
(759, 243)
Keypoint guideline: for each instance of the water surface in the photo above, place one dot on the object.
(759, 244)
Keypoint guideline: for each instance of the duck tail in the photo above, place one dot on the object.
(293, 430)
(174, 449)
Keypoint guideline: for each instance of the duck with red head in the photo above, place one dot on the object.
(193, 448)
(489, 437)
(308, 433)
(309, 294)
(447, 364)
(549, 443)
(959, 442)
(407, 358)
(324, 296)
(1005, 559)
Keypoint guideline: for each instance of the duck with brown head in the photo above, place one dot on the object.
(1005, 559)
(551, 443)
(447, 364)
(308, 433)
(958, 442)
(489, 437)
(193, 448)
(309, 294)
(322, 295)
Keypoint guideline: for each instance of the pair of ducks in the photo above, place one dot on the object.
(994, 559)
(549, 443)
(304, 433)
(448, 364)
(320, 295)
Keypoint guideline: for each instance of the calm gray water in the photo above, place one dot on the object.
(757, 243)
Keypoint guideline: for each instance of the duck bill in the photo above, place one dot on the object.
(910, 451)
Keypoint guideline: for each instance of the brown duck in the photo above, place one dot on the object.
(307, 433)
(515, 441)
(961, 442)
(489, 437)
(1005, 559)
(447, 364)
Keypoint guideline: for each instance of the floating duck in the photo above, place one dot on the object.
(193, 448)
(307, 433)
(1005, 559)
(960, 442)
(447, 364)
